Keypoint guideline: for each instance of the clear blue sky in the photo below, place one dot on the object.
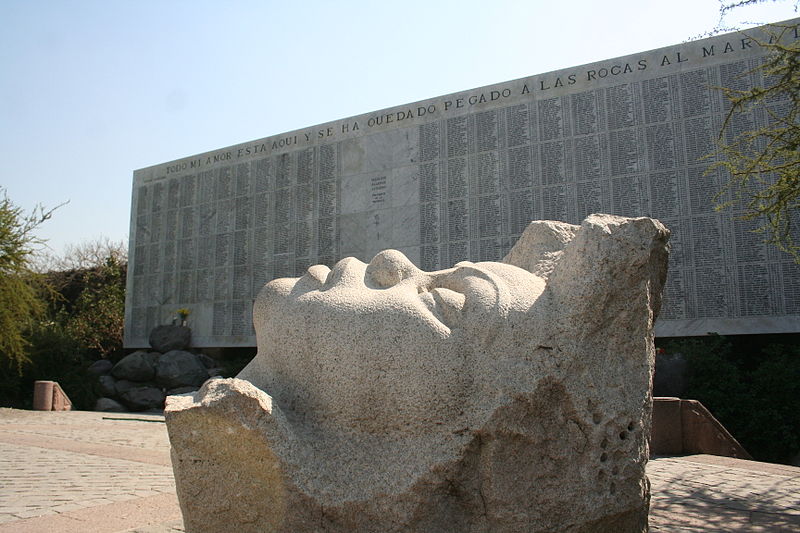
(92, 90)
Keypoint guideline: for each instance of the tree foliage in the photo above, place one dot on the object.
(54, 323)
(749, 383)
(764, 163)
(98, 313)
(88, 280)
(87, 255)
(80, 320)
(20, 288)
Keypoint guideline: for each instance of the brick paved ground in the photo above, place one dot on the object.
(80, 472)
(708, 493)
(85, 472)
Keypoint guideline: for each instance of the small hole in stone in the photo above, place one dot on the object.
(601, 476)
(631, 426)
(613, 488)
(623, 435)
(604, 444)
(615, 470)
(596, 418)
(604, 457)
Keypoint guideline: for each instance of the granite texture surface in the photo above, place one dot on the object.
(483, 397)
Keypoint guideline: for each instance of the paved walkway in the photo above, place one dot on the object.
(85, 472)
(82, 472)
(709, 493)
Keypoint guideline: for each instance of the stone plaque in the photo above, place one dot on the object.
(459, 177)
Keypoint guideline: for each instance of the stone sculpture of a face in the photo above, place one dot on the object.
(487, 397)
(387, 347)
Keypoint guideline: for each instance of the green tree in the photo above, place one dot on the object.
(20, 287)
(98, 314)
(764, 163)
(89, 282)
(80, 321)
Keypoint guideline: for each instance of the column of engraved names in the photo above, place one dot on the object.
(153, 293)
(753, 270)
(557, 191)
(139, 265)
(626, 154)
(225, 214)
(589, 146)
(457, 185)
(206, 209)
(304, 253)
(755, 278)
(667, 182)
(187, 242)
(328, 204)
(488, 188)
(783, 270)
(241, 302)
(169, 245)
(283, 236)
(518, 170)
(430, 197)
(263, 222)
(706, 234)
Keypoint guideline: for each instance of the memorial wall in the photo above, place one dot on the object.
(458, 177)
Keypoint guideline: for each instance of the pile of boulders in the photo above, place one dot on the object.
(142, 380)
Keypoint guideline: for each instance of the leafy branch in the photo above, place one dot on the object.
(764, 163)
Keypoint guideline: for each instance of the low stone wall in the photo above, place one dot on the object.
(683, 427)
(49, 396)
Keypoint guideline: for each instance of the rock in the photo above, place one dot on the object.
(180, 369)
(482, 398)
(152, 358)
(142, 398)
(107, 405)
(167, 338)
(98, 368)
(108, 386)
(215, 372)
(540, 246)
(123, 385)
(207, 361)
(137, 366)
(180, 390)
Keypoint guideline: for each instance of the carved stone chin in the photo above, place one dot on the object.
(511, 396)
